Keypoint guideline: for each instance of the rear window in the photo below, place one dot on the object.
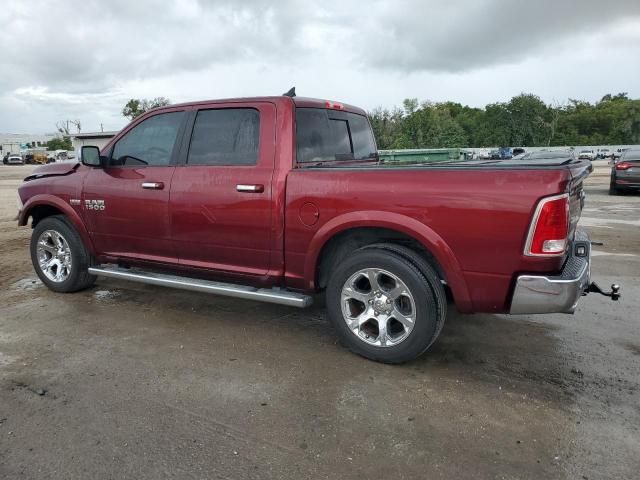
(328, 135)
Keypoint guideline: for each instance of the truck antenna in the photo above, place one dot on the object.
(290, 93)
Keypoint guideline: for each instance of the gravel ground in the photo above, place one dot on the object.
(133, 381)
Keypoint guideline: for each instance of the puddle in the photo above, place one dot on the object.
(6, 359)
(103, 295)
(27, 284)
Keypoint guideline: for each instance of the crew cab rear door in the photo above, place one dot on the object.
(126, 203)
(221, 196)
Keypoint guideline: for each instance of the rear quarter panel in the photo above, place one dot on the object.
(473, 221)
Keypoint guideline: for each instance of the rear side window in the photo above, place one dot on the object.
(327, 135)
(227, 136)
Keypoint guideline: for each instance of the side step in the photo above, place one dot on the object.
(269, 295)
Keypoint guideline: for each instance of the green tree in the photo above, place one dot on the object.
(60, 143)
(525, 120)
(136, 107)
(530, 121)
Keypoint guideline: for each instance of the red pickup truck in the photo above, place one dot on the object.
(279, 198)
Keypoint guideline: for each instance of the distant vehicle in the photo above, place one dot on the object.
(625, 173)
(37, 157)
(587, 155)
(604, 153)
(518, 151)
(57, 156)
(15, 160)
(494, 154)
(618, 153)
(546, 155)
(505, 153)
(483, 154)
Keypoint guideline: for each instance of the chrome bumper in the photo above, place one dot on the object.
(559, 293)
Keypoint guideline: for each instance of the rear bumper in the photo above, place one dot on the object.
(631, 183)
(557, 293)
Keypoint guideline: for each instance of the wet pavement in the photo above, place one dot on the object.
(132, 381)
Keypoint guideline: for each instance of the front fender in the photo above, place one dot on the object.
(64, 208)
(400, 223)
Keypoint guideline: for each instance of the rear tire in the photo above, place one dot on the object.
(59, 257)
(383, 307)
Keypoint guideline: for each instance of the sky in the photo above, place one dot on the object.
(83, 59)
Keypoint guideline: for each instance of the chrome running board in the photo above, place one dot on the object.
(269, 295)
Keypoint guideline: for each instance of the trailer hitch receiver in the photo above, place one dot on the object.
(614, 294)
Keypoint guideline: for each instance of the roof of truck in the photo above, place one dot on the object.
(298, 101)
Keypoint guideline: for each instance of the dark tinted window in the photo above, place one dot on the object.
(363, 144)
(150, 142)
(225, 137)
(327, 135)
(340, 134)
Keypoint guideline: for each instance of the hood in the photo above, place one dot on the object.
(53, 170)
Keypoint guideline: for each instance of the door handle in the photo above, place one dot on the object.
(250, 188)
(153, 185)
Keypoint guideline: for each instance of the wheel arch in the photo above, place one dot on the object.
(348, 232)
(43, 206)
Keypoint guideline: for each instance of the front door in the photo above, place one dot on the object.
(126, 204)
(221, 196)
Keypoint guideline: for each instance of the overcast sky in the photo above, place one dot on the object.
(84, 59)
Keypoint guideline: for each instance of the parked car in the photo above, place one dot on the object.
(604, 153)
(587, 155)
(483, 153)
(278, 199)
(494, 154)
(546, 155)
(505, 153)
(618, 153)
(625, 173)
(14, 159)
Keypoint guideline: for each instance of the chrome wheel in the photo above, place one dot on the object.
(378, 307)
(54, 256)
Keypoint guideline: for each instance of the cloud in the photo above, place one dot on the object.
(63, 58)
(414, 35)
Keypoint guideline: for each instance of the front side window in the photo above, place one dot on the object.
(327, 135)
(149, 143)
(226, 136)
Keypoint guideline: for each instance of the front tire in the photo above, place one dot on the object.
(383, 307)
(59, 257)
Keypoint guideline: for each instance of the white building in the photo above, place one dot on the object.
(15, 142)
(98, 139)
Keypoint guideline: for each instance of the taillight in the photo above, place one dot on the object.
(549, 230)
(623, 166)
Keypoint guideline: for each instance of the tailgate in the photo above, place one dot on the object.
(579, 172)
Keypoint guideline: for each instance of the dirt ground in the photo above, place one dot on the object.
(141, 382)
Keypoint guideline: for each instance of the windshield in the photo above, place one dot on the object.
(326, 135)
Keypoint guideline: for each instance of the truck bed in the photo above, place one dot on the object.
(477, 211)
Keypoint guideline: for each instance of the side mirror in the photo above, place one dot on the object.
(90, 156)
